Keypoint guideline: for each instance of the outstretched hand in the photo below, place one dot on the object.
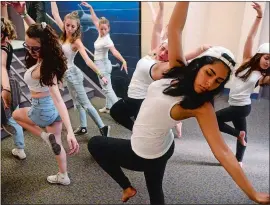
(258, 8)
(84, 3)
(72, 143)
(262, 198)
(19, 6)
(161, 4)
(124, 66)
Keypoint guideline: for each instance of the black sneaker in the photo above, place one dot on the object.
(105, 131)
(80, 131)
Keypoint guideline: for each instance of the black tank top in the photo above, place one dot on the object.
(9, 50)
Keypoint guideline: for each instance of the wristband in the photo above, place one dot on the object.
(23, 15)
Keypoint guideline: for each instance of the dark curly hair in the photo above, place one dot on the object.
(185, 77)
(78, 33)
(53, 59)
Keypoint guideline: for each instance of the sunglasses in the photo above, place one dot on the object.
(32, 49)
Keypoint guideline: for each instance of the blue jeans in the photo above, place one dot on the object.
(74, 79)
(43, 111)
(105, 67)
(18, 137)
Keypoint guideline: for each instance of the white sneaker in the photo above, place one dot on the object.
(104, 110)
(18, 153)
(59, 178)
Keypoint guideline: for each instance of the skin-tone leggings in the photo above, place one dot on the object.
(112, 154)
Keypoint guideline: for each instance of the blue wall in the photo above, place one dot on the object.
(124, 20)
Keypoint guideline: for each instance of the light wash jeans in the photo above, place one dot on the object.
(105, 68)
(18, 137)
(74, 79)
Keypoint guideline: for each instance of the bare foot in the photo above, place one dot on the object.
(178, 128)
(128, 193)
(241, 138)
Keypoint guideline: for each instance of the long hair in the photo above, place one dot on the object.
(250, 66)
(78, 33)
(186, 76)
(7, 29)
(53, 59)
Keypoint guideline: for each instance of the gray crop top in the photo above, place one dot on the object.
(33, 84)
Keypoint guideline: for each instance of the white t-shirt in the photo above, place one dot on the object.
(102, 45)
(152, 135)
(241, 90)
(141, 78)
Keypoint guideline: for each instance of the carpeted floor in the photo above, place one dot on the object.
(193, 175)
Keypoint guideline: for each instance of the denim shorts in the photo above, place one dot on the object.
(43, 111)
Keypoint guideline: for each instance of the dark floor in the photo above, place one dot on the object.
(193, 175)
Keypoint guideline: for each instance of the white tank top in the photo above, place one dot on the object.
(152, 135)
(102, 45)
(141, 78)
(34, 84)
(69, 53)
(241, 90)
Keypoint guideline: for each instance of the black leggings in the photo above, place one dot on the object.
(112, 154)
(124, 109)
(237, 115)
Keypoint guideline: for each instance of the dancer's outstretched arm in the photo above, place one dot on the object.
(94, 17)
(80, 47)
(175, 32)
(252, 33)
(56, 16)
(206, 118)
(21, 10)
(158, 26)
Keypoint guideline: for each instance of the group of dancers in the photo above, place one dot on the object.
(167, 87)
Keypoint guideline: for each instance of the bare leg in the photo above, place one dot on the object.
(56, 129)
(21, 117)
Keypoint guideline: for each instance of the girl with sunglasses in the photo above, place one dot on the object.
(46, 65)
(11, 90)
(185, 92)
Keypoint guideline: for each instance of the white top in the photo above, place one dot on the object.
(69, 53)
(102, 45)
(34, 84)
(152, 135)
(141, 78)
(241, 90)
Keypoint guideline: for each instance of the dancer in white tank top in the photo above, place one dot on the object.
(148, 69)
(186, 92)
(253, 71)
(102, 46)
(71, 44)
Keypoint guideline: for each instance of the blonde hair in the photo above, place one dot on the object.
(77, 34)
(7, 29)
(103, 20)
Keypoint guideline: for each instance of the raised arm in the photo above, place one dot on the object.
(175, 32)
(21, 10)
(157, 29)
(198, 51)
(94, 17)
(62, 109)
(208, 123)
(80, 47)
(56, 15)
(252, 33)
(153, 12)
